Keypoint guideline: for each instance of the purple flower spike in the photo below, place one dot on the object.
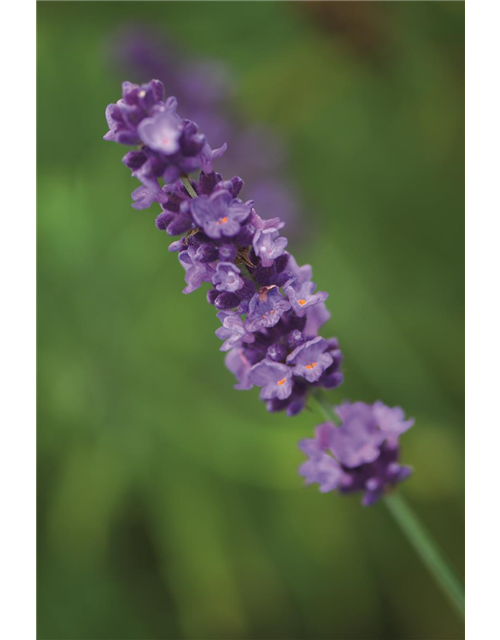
(161, 132)
(196, 272)
(269, 312)
(266, 309)
(310, 359)
(219, 215)
(302, 296)
(274, 378)
(268, 245)
(227, 277)
(357, 441)
(271, 339)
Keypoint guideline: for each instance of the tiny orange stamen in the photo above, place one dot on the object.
(311, 366)
(302, 302)
(271, 312)
(282, 381)
(222, 220)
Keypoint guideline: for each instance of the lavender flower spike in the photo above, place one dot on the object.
(269, 312)
(268, 307)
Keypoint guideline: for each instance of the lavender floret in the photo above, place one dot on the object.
(161, 132)
(227, 277)
(266, 309)
(274, 378)
(310, 359)
(269, 245)
(302, 296)
(233, 330)
(196, 272)
(219, 215)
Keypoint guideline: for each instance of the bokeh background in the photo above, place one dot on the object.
(169, 503)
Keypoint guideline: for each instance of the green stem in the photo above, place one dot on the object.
(417, 535)
(322, 403)
(427, 549)
(189, 188)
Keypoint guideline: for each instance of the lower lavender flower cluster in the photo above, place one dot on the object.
(365, 451)
(268, 306)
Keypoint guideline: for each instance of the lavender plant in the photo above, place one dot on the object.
(269, 308)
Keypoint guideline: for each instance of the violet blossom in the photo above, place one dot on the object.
(219, 215)
(360, 455)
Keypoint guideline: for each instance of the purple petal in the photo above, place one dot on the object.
(161, 132)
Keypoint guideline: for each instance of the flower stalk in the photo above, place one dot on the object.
(189, 188)
(427, 549)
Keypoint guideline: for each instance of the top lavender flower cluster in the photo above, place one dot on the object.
(205, 88)
(169, 145)
(269, 308)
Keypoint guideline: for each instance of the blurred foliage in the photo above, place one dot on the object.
(169, 504)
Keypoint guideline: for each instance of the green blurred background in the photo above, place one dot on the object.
(169, 503)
